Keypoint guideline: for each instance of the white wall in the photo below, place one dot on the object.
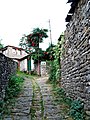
(23, 65)
(32, 64)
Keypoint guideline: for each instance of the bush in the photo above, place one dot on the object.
(60, 91)
(14, 87)
(75, 107)
(77, 110)
(52, 74)
(12, 90)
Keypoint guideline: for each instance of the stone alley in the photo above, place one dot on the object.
(35, 102)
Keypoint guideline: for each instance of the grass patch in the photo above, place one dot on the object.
(12, 91)
(14, 87)
(25, 74)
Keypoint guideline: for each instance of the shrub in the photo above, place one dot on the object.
(14, 87)
(60, 91)
(52, 74)
(12, 90)
(75, 107)
(77, 110)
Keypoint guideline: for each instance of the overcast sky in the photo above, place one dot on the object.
(18, 17)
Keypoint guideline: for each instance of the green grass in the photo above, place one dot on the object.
(36, 87)
(12, 90)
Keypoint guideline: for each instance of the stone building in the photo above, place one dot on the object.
(76, 60)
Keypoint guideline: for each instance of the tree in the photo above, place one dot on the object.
(50, 52)
(31, 41)
(36, 56)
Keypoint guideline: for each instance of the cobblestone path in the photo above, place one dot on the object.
(50, 110)
(35, 102)
(21, 109)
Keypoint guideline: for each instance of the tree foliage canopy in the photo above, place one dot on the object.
(31, 43)
(32, 40)
(50, 52)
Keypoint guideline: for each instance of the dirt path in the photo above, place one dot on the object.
(35, 102)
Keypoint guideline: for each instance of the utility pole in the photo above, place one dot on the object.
(50, 37)
(50, 32)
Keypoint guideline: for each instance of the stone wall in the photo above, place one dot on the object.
(7, 67)
(76, 60)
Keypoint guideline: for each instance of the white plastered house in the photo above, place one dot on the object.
(17, 54)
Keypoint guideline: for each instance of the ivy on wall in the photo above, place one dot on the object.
(55, 69)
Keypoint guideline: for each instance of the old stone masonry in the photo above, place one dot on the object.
(35, 102)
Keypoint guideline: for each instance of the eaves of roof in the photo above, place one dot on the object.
(5, 48)
(23, 58)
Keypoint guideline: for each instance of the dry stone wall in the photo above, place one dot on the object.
(76, 60)
(7, 67)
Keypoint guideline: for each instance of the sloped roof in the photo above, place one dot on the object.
(16, 48)
(20, 59)
(15, 56)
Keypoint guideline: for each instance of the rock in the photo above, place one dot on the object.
(88, 113)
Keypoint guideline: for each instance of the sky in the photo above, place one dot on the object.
(18, 17)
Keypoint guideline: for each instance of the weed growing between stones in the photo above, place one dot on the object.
(12, 91)
(76, 110)
(73, 108)
(32, 110)
(40, 102)
(42, 107)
